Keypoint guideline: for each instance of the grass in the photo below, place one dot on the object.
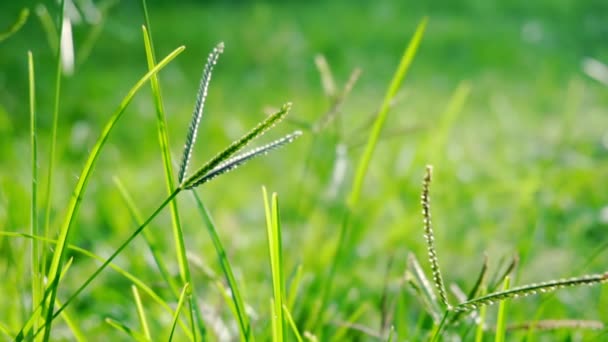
(516, 132)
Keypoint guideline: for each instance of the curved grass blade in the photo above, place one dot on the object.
(292, 323)
(141, 285)
(273, 226)
(182, 298)
(394, 86)
(532, 289)
(17, 25)
(239, 160)
(235, 294)
(237, 145)
(365, 160)
(82, 184)
(198, 110)
(141, 313)
(500, 320)
(37, 268)
(53, 143)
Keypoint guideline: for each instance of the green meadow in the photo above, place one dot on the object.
(328, 237)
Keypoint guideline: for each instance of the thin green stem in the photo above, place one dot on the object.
(53, 144)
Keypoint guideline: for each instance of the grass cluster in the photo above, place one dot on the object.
(113, 251)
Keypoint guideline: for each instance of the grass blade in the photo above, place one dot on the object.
(53, 144)
(236, 146)
(239, 306)
(198, 110)
(75, 201)
(17, 25)
(141, 313)
(180, 303)
(241, 159)
(394, 86)
(365, 160)
(273, 227)
(37, 268)
(292, 324)
(500, 320)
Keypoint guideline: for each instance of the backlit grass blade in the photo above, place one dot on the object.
(365, 160)
(294, 287)
(198, 110)
(235, 294)
(161, 127)
(51, 167)
(236, 146)
(140, 284)
(239, 160)
(78, 193)
(37, 269)
(17, 25)
(402, 69)
(500, 320)
(141, 313)
(273, 226)
(292, 324)
(180, 303)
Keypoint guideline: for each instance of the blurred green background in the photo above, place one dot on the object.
(520, 169)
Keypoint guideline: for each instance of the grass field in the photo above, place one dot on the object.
(497, 99)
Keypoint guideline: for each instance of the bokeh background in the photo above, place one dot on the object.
(520, 169)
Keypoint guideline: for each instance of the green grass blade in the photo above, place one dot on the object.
(294, 287)
(53, 144)
(37, 284)
(292, 323)
(198, 110)
(273, 227)
(241, 159)
(182, 298)
(351, 320)
(161, 126)
(74, 327)
(406, 61)
(363, 164)
(141, 313)
(17, 25)
(236, 146)
(500, 320)
(481, 321)
(46, 21)
(78, 193)
(237, 299)
(134, 335)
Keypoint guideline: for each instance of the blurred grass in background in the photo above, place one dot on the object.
(520, 169)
